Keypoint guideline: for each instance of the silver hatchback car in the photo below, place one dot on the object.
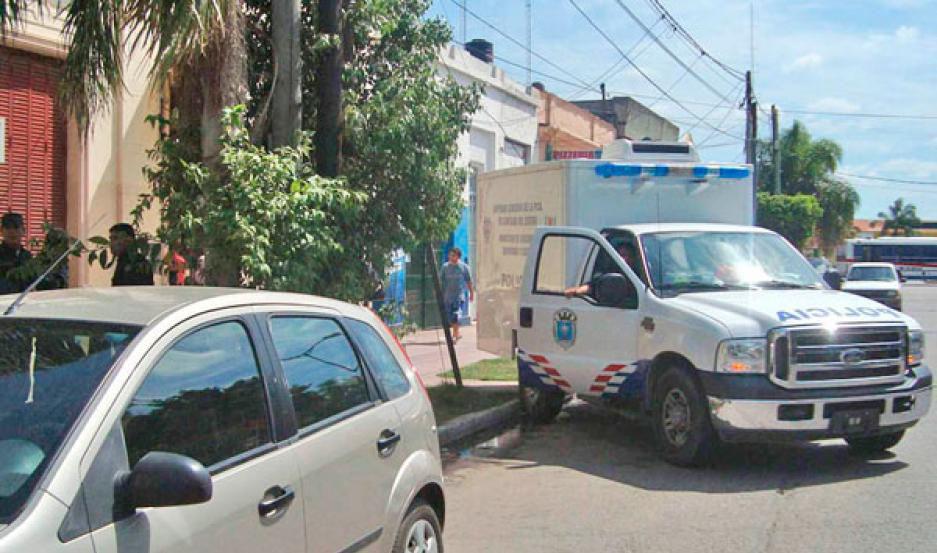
(211, 420)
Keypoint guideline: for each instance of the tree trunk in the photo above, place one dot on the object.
(287, 54)
(223, 76)
(330, 116)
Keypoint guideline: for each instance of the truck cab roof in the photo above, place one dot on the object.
(650, 228)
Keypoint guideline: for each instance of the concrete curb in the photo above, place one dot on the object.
(465, 425)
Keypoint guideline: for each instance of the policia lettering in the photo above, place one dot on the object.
(824, 312)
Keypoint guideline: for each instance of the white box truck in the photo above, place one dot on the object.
(638, 281)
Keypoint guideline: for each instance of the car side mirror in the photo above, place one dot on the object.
(615, 290)
(163, 479)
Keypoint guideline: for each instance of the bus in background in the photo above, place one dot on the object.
(914, 257)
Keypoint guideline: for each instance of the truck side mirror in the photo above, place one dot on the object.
(615, 290)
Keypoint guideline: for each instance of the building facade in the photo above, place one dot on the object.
(503, 134)
(567, 131)
(82, 180)
(632, 119)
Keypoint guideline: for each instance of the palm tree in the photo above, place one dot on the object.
(197, 46)
(806, 163)
(900, 216)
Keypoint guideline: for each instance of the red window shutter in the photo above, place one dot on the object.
(33, 179)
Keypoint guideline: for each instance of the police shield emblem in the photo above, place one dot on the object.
(564, 328)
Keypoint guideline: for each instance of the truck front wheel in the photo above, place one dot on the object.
(682, 426)
(874, 444)
(539, 405)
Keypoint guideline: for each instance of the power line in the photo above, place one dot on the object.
(867, 115)
(618, 63)
(485, 22)
(683, 33)
(670, 53)
(885, 179)
(641, 72)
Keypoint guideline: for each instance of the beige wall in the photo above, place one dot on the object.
(105, 162)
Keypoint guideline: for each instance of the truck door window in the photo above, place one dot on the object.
(560, 263)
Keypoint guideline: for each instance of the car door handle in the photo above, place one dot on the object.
(386, 442)
(281, 498)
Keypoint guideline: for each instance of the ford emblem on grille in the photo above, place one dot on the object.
(852, 356)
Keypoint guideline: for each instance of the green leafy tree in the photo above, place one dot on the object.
(839, 202)
(792, 216)
(900, 217)
(275, 224)
(808, 166)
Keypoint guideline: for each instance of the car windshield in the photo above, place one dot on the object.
(681, 262)
(48, 371)
(877, 274)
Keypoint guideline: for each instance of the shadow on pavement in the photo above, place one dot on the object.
(606, 445)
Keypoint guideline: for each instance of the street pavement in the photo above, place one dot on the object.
(592, 482)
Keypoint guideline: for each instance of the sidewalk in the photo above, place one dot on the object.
(427, 349)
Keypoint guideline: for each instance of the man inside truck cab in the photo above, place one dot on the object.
(604, 265)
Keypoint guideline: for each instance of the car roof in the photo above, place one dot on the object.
(648, 228)
(872, 264)
(142, 305)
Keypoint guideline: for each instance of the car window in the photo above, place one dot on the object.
(380, 359)
(560, 262)
(204, 398)
(49, 371)
(320, 365)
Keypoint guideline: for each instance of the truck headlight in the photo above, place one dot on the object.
(892, 294)
(742, 356)
(915, 348)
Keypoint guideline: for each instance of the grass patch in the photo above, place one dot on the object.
(500, 369)
(449, 401)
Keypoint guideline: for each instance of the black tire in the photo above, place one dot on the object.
(540, 406)
(420, 512)
(683, 443)
(874, 444)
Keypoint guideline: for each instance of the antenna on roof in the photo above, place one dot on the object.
(19, 299)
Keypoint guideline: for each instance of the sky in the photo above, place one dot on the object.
(847, 57)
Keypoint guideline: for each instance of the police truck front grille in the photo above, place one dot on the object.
(844, 356)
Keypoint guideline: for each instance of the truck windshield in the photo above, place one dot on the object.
(877, 274)
(680, 262)
(49, 370)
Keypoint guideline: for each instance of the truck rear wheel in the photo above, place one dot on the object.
(682, 426)
(541, 406)
(874, 444)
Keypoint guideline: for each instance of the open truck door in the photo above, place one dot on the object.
(578, 319)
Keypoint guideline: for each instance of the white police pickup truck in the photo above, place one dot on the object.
(717, 331)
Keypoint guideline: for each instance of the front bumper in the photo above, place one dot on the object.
(893, 302)
(752, 408)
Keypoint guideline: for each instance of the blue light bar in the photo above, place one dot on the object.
(734, 172)
(699, 172)
(608, 170)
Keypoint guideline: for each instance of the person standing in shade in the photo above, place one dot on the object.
(12, 253)
(455, 280)
(131, 267)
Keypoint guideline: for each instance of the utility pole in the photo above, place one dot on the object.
(329, 118)
(529, 40)
(775, 149)
(464, 23)
(751, 137)
(287, 100)
(443, 315)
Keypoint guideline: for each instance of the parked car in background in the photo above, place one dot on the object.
(877, 281)
(193, 419)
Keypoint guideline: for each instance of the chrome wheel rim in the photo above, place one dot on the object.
(422, 538)
(676, 417)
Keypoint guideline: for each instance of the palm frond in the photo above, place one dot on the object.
(94, 64)
(11, 13)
